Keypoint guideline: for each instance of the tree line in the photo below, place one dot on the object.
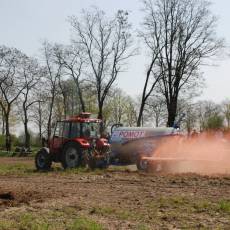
(178, 36)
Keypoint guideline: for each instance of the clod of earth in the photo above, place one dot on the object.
(7, 196)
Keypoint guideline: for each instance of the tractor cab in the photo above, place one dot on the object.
(75, 141)
(81, 129)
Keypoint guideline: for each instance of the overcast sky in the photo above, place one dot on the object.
(25, 23)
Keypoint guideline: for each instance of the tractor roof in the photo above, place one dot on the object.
(83, 117)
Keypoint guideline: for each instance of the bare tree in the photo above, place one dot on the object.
(11, 84)
(39, 110)
(191, 111)
(107, 45)
(32, 74)
(72, 59)
(156, 109)
(151, 35)
(187, 30)
(117, 106)
(226, 111)
(53, 70)
(206, 110)
(2, 121)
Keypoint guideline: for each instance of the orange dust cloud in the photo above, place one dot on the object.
(206, 153)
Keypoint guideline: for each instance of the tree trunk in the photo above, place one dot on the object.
(81, 100)
(80, 95)
(140, 116)
(8, 136)
(79, 91)
(27, 134)
(3, 123)
(172, 110)
(40, 121)
(50, 118)
(100, 116)
(157, 120)
(65, 106)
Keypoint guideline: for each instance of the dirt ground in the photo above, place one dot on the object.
(117, 198)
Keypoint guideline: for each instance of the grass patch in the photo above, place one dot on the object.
(182, 210)
(138, 219)
(120, 214)
(6, 154)
(16, 169)
(173, 202)
(142, 227)
(203, 206)
(224, 206)
(30, 169)
(48, 220)
(83, 223)
(108, 211)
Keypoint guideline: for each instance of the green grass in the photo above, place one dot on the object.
(69, 218)
(183, 210)
(108, 211)
(83, 223)
(12, 153)
(16, 169)
(118, 213)
(5, 154)
(49, 220)
(224, 206)
(28, 168)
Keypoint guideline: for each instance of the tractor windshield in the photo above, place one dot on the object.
(91, 129)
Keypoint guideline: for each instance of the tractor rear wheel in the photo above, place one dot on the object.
(42, 160)
(71, 156)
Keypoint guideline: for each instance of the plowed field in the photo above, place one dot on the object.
(116, 198)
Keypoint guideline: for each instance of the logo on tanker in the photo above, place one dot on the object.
(131, 134)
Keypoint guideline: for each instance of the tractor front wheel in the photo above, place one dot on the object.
(71, 156)
(42, 160)
(101, 161)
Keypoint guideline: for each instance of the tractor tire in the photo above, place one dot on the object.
(42, 160)
(92, 164)
(71, 156)
(106, 162)
(99, 163)
(142, 165)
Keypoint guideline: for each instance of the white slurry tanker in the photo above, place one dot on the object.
(129, 145)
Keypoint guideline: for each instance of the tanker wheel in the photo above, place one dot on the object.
(142, 165)
(71, 156)
(42, 160)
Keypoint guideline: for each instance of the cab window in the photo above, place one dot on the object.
(59, 129)
(75, 130)
(66, 129)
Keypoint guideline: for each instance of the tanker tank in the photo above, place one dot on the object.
(130, 144)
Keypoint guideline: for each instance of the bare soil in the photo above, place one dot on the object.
(120, 198)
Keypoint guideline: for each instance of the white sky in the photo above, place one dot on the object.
(25, 23)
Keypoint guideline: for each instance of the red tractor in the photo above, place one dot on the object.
(76, 142)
